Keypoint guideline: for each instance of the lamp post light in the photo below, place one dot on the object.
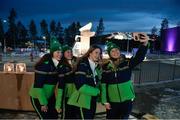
(4, 50)
(44, 37)
(4, 21)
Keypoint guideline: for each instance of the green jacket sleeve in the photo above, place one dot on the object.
(89, 90)
(59, 98)
(103, 93)
(39, 94)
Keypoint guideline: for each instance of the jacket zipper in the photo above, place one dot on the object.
(119, 92)
(115, 75)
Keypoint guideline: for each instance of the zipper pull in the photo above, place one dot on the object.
(115, 74)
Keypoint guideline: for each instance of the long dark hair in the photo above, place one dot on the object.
(65, 62)
(44, 58)
(91, 49)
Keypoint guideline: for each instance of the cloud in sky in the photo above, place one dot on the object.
(118, 15)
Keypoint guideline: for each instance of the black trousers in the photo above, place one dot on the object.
(89, 113)
(50, 114)
(119, 110)
(71, 112)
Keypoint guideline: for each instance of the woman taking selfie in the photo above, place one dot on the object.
(117, 88)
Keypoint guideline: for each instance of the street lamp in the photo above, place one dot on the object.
(44, 37)
(4, 21)
(4, 50)
(4, 44)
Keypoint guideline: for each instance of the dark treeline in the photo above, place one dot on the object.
(19, 36)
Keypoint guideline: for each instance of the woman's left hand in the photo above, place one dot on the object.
(59, 110)
(44, 108)
(107, 106)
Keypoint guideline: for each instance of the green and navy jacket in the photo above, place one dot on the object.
(87, 86)
(68, 76)
(116, 82)
(66, 86)
(46, 78)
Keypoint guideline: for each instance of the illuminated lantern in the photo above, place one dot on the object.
(20, 67)
(8, 67)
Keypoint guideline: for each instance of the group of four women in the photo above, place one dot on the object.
(83, 82)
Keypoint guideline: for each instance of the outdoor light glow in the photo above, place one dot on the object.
(20, 67)
(4, 21)
(170, 45)
(128, 55)
(171, 40)
(8, 67)
(44, 37)
(121, 36)
(118, 37)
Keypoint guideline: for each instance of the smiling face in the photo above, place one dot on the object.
(68, 54)
(57, 55)
(115, 53)
(95, 55)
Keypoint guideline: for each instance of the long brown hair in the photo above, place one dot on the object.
(91, 49)
(74, 64)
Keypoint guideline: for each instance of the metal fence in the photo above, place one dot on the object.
(159, 70)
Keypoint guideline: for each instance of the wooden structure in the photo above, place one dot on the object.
(14, 90)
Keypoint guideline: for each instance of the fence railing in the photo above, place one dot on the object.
(159, 70)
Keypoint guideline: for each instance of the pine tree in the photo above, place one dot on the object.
(21, 34)
(66, 36)
(33, 31)
(164, 24)
(60, 33)
(72, 30)
(44, 27)
(1, 34)
(100, 28)
(78, 25)
(154, 30)
(44, 31)
(70, 34)
(12, 31)
(53, 27)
